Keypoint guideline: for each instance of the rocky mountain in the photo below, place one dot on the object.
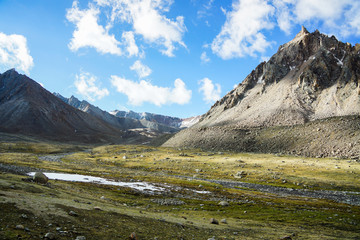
(121, 123)
(125, 121)
(29, 109)
(310, 78)
(173, 122)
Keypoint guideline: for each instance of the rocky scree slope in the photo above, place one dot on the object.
(312, 77)
(29, 109)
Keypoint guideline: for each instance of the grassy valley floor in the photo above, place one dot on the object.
(246, 196)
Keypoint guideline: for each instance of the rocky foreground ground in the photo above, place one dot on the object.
(195, 194)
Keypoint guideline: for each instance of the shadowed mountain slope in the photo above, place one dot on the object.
(27, 108)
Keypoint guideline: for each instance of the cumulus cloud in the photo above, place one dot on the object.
(339, 17)
(141, 69)
(211, 92)
(86, 85)
(283, 14)
(143, 91)
(148, 20)
(129, 41)
(89, 33)
(14, 53)
(241, 34)
(327, 10)
(204, 58)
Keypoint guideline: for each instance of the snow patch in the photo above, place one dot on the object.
(260, 79)
(141, 186)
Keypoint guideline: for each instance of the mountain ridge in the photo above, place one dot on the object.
(311, 78)
(130, 120)
(27, 108)
(305, 66)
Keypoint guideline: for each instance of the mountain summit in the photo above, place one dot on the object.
(312, 77)
(29, 109)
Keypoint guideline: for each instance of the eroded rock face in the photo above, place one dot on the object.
(313, 76)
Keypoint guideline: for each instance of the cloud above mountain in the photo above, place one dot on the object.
(88, 86)
(211, 92)
(14, 53)
(144, 91)
(141, 69)
(248, 23)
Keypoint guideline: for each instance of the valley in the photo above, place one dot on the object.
(197, 194)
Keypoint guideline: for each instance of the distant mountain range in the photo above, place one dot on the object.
(310, 79)
(129, 119)
(29, 109)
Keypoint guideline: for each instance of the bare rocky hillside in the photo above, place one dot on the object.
(310, 78)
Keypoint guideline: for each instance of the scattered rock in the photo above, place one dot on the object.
(20, 227)
(124, 157)
(223, 221)
(214, 221)
(97, 209)
(240, 174)
(133, 236)
(224, 203)
(168, 202)
(212, 238)
(24, 216)
(80, 238)
(286, 238)
(39, 177)
(72, 213)
(50, 236)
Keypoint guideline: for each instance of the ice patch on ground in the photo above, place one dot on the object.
(140, 186)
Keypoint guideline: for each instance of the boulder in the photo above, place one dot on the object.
(40, 177)
(214, 221)
(224, 203)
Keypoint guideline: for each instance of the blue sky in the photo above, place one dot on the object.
(172, 57)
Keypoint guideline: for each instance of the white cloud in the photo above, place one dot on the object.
(86, 85)
(147, 20)
(141, 69)
(283, 13)
(129, 41)
(14, 53)
(240, 35)
(211, 92)
(89, 33)
(326, 10)
(144, 91)
(205, 8)
(243, 33)
(339, 17)
(204, 58)
(353, 18)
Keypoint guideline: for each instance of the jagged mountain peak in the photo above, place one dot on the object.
(306, 79)
(312, 77)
